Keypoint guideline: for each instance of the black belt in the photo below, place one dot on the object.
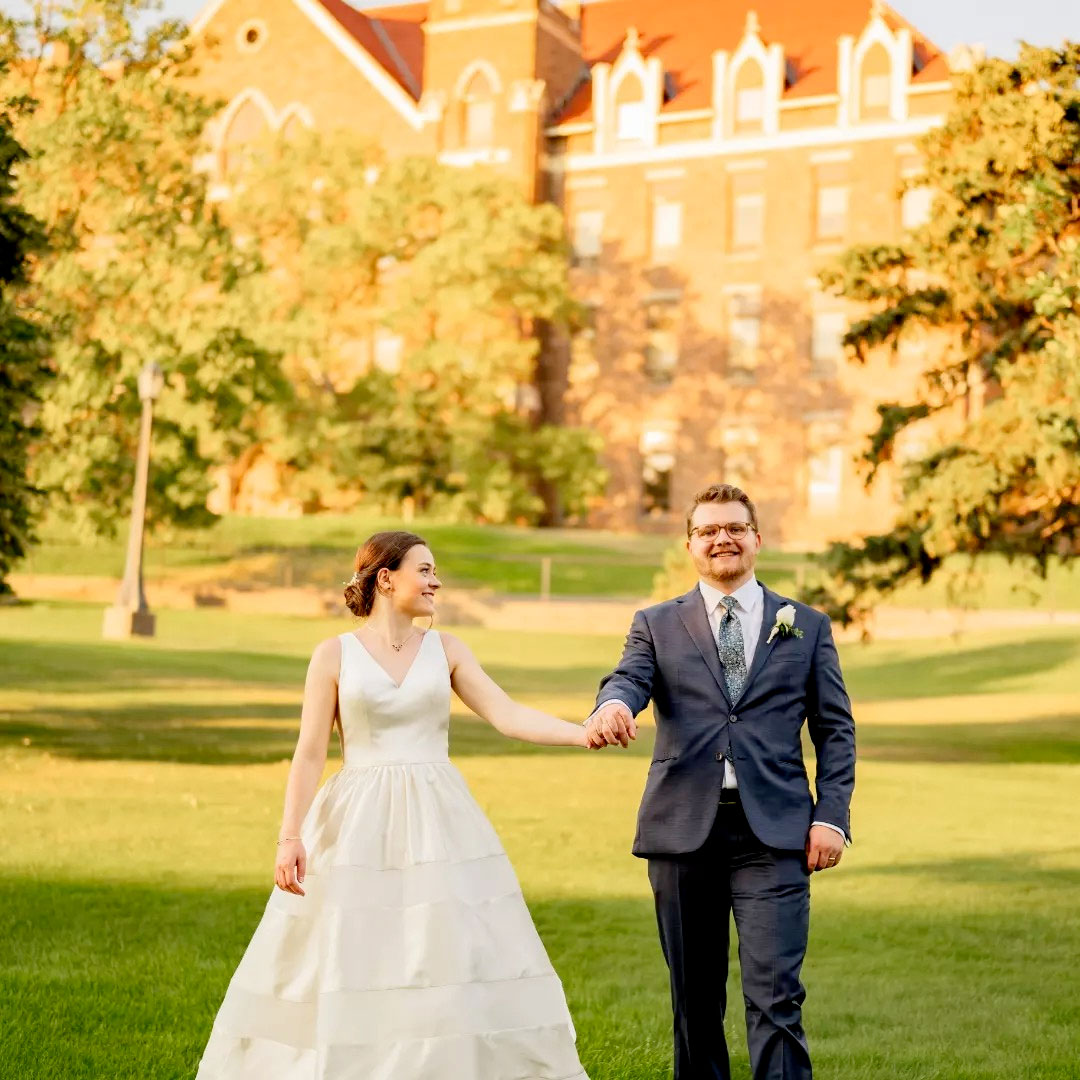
(729, 796)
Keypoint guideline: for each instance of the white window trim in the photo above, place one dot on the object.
(598, 234)
(825, 498)
(754, 294)
(757, 197)
(826, 364)
(484, 67)
(923, 198)
(636, 132)
(674, 206)
(900, 48)
(820, 235)
(770, 59)
(606, 81)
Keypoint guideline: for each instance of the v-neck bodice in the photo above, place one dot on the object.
(386, 723)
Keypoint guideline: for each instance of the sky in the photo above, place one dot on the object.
(997, 24)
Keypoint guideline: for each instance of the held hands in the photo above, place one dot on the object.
(824, 848)
(290, 866)
(610, 725)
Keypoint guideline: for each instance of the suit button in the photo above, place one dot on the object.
(719, 755)
(733, 718)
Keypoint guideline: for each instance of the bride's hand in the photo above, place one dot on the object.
(290, 866)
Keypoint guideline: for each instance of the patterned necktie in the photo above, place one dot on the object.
(732, 653)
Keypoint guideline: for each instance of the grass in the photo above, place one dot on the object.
(142, 787)
(252, 552)
(318, 550)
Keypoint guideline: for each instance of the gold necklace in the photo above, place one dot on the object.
(398, 648)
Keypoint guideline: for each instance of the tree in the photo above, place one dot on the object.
(993, 277)
(407, 297)
(23, 371)
(139, 267)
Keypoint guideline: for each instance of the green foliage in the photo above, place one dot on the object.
(994, 279)
(139, 267)
(23, 372)
(408, 297)
(676, 576)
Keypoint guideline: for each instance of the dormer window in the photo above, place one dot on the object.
(750, 105)
(631, 113)
(749, 97)
(875, 84)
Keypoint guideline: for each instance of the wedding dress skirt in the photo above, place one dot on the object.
(413, 955)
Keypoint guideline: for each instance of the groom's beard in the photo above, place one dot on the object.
(736, 565)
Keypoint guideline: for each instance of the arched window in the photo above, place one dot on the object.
(631, 116)
(293, 127)
(247, 125)
(875, 84)
(478, 112)
(749, 97)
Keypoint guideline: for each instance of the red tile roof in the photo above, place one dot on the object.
(685, 33)
(392, 35)
(403, 24)
(682, 33)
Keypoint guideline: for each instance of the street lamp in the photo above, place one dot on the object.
(130, 614)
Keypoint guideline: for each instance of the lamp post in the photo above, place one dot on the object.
(130, 614)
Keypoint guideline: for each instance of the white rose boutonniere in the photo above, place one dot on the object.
(785, 624)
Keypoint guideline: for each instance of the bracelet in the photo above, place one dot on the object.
(286, 839)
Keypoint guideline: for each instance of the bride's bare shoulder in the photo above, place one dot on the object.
(327, 655)
(454, 647)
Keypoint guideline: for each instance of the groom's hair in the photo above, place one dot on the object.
(721, 493)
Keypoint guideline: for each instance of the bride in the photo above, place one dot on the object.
(397, 944)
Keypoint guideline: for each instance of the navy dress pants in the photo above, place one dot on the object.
(768, 891)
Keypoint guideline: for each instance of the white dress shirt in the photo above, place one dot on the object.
(750, 603)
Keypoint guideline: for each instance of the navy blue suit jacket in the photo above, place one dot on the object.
(671, 659)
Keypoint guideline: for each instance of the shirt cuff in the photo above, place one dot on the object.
(610, 701)
(835, 828)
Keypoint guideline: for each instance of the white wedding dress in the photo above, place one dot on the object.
(413, 955)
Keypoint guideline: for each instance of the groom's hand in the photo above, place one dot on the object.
(612, 724)
(824, 848)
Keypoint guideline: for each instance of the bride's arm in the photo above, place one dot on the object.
(487, 699)
(308, 760)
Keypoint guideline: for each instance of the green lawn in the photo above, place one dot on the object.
(318, 550)
(142, 785)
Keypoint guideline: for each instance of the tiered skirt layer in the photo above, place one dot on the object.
(412, 956)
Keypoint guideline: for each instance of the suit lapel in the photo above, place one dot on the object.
(696, 620)
(772, 604)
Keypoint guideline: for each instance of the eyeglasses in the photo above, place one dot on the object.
(737, 530)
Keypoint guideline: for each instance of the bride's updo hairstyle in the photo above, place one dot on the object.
(384, 549)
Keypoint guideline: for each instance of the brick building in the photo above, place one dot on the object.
(709, 158)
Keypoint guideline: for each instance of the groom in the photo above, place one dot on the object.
(727, 821)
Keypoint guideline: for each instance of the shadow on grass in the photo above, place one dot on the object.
(250, 733)
(66, 667)
(1046, 740)
(987, 870)
(978, 670)
(123, 981)
(240, 728)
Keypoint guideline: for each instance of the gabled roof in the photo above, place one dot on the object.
(684, 34)
(392, 35)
